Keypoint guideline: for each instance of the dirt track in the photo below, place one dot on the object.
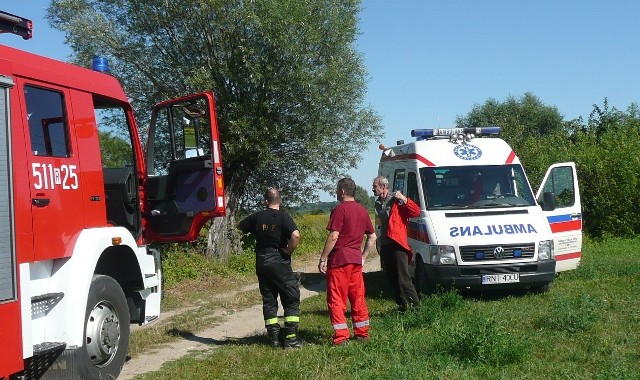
(240, 324)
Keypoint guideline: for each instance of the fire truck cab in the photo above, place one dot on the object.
(481, 227)
(81, 201)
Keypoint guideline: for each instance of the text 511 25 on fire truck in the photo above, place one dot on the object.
(80, 202)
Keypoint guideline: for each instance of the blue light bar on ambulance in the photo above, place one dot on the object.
(422, 134)
(100, 64)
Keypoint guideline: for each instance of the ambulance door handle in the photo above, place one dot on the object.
(40, 202)
(575, 215)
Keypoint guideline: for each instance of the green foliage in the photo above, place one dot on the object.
(289, 83)
(608, 160)
(605, 150)
(244, 262)
(362, 197)
(115, 151)
(313, 233)
(315, 208)
(179, 266)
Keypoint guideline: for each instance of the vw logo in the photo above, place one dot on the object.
(498, 252)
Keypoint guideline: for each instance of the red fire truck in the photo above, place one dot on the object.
(81, 201)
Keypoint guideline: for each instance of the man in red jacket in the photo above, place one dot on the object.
(394, 211)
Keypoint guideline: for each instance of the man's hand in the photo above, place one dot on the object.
(322, 266)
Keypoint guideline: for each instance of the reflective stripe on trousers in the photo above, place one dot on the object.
(344, 284)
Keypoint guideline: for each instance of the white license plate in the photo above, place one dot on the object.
(507, 278)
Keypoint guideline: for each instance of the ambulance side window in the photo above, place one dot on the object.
(560, 183)
(398, 180)
(48, 128)
(412, 188)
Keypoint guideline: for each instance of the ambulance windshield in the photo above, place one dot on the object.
(470, 187)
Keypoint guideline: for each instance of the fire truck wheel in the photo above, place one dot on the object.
(106, 330)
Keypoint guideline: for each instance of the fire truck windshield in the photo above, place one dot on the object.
(470, 187)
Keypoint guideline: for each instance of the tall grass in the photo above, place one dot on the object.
(586, 327)
(181, 263)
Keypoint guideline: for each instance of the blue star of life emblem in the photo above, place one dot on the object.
(467, 152)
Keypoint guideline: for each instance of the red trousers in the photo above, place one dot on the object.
(346, 283)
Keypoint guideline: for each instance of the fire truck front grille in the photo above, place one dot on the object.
(479, 253)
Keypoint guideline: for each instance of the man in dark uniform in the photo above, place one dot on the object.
(277, 236)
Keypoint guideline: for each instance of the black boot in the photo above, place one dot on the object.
(291, 339)
(273, 332)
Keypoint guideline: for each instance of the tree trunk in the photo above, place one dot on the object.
(223, 240)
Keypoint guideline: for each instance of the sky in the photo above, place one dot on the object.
(431, 61)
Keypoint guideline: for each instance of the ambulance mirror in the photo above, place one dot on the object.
(548, 201)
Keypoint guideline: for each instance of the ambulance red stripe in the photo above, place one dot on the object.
(572, 225)
(410, 156)
(569, 256)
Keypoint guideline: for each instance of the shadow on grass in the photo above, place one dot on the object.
(307, 336)
(376, 284)
(314, 282)
(248, 340)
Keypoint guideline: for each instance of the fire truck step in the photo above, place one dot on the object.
(41, 304)
(44, 356)
(47, 297)
(48, 347)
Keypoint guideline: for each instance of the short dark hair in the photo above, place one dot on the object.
(348, 185)
(272, 196)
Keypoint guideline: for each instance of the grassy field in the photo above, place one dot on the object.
(586, 327)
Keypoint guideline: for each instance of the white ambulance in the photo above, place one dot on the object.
(481, 227)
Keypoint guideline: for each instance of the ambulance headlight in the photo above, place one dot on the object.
(545, 250)
(442, 255)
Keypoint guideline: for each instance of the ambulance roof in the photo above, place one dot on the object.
(18, 63)
(465, 150)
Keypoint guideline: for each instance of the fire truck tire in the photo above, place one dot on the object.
(106, 337)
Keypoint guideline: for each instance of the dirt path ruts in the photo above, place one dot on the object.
(243, 323)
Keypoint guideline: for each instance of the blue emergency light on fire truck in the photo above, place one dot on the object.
(481, 225)
(81, 201)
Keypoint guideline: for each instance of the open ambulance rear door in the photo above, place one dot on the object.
(560, 188)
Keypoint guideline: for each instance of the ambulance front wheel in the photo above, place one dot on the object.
(420, 280)
(106, 337)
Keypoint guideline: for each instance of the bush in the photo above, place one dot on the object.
(313, 232)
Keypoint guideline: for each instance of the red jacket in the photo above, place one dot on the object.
(399, 215)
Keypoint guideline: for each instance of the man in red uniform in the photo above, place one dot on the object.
(342, 259)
